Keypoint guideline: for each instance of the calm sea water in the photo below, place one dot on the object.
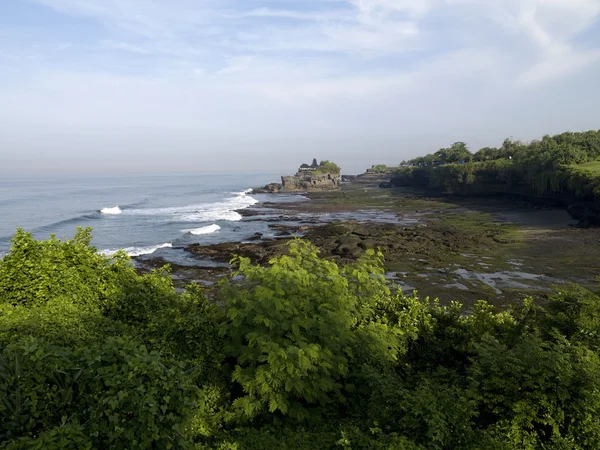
(140, 214)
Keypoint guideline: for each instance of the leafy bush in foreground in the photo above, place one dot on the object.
(303, 354)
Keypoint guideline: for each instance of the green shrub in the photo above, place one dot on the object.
(290, 332)
(129, 363)
(126, 396)
(135, 398)
(34, 272)
(328, 167)
(63, 437)
(38, 387)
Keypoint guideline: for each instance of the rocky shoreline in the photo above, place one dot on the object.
(455, 249)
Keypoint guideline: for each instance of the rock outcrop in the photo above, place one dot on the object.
(369, 177)
(310, 181)
(271, 188)
(309, 178)
(372, 177)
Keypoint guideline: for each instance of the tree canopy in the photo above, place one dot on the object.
(549, 152)
(326, 166)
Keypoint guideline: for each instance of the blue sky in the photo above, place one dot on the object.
(212, 85)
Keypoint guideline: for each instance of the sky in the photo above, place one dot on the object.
(157, 86)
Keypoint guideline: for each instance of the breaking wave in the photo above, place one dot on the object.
(204, 230)
(111, 211)
(138, 251)
(207, 212)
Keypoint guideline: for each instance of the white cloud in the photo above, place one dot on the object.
(124, 46)
(559, 65)
(363, 28)
(286, 14)
(336, 69)
(370, 9)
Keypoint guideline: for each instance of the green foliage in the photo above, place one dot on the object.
(75, 371)
(137, 298)
(37, 387)
(549, 166)
(63, 437)
(290, 330)
(574, 313)
(126, 396)
(563, 163)
(488, 154)
(592, 166)
(130, 363)
(538, 392)
(330, 438)
(381, 168)
(139, 398)
(457, 153)
(188, 327)
(328, 167)
(35, 271)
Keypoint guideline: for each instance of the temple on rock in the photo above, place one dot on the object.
(306, 168)
(316, 177)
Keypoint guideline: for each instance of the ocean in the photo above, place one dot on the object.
(143, 215)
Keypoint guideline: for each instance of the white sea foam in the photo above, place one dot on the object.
(204, 230)
(138, 251)
(112, 211)
(207, 212)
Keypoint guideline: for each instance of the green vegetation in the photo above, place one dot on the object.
(381, 168)
(565, 165)
(457, 153)
(593, 166)
(549, 152)
(328, 167)
(303, 354)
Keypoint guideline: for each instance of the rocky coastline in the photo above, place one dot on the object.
(455, 248)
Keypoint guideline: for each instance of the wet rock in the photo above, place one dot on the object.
(335, 229)
(367, 244)
(348, 251)
(271, 188)
(350, 240)
(250, 212)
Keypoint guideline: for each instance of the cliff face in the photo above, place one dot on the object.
(558, 188)
(310, 181)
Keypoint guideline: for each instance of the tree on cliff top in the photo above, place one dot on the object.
(380, 168)
(328, 167)
(458, 152)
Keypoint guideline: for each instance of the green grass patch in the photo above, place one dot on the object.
(483, 224)
(593, 166)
